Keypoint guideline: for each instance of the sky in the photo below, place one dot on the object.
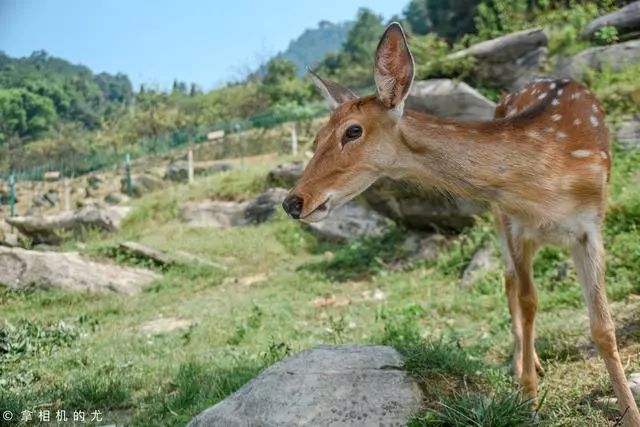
(154, 42)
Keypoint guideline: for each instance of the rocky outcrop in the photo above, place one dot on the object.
(225, 214)
(626, 21)
(615, 56)
(214, 213)
(510, 61)
(24, 269)
(481, 263)
(349, 385)
(350, 221)
(264, 206)
(50, 229)
(421, 209)
(285, 175)
(46, 200)
(449, 98)
(141, 184)
(178, 171)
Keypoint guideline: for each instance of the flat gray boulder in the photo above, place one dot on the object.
(350, 221)
(68, 271)
(626, 20)
(615, 56)
(508, 61)
(141, 184)
(50, 229)
(285, 175)
(226, 214)
(449, 98)
(348, 385)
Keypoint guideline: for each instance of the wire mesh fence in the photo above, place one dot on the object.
(41, 188)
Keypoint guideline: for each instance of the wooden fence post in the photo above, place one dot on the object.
(190, 166)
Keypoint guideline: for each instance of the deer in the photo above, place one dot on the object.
(542, 163)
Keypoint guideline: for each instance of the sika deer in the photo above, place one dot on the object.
(543, 163)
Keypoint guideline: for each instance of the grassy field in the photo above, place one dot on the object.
(88, 352)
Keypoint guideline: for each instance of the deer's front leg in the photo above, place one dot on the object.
(588, 257)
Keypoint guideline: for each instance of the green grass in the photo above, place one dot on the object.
(76, 351)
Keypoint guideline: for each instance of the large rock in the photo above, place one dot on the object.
(264, 206)
(482, 262)
(509, 61)
(421, 209)
(50, 229)
(23, 269)
(450, 98)
(224, 214)
(214, 213)
(141, 184)
(628, 133)
(350, 385)
(350, 221)
(178, 171)
(46, 200)
(285, 175)
(615, 56)
(626, 20)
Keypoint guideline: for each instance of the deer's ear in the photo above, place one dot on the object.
(393, 68)
(332, 92)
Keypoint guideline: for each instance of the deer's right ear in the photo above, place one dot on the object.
(393, 69)
(332, 92)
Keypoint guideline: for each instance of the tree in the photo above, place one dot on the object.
(449, 19)
(279, 71)
(363, 38)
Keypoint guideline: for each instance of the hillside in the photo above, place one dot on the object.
(314, 44)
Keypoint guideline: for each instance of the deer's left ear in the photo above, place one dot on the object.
(393, 69)
(332, 92)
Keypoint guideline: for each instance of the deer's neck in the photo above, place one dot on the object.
(479, 160)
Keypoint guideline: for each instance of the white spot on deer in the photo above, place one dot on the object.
(577, 121)
(594, 107)
(565, 81)
(581, 153)
(555, 101)
(560, 92)
(552, 86)
(561, 135)
(604, 155)
(550, 129)
(594, 121)
(535, 91)
(556, 117)
(576, 95)
(450, 127)
(543, 95)
(533, 134)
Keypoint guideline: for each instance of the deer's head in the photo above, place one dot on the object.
(355, 147)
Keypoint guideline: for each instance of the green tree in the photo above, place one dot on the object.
(448, 19)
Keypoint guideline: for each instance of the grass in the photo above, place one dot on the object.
(76, 351)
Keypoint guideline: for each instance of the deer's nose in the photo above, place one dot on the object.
(292, 205)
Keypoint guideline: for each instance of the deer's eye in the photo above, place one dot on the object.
(352, 133)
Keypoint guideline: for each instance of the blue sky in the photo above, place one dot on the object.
(206, 42)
